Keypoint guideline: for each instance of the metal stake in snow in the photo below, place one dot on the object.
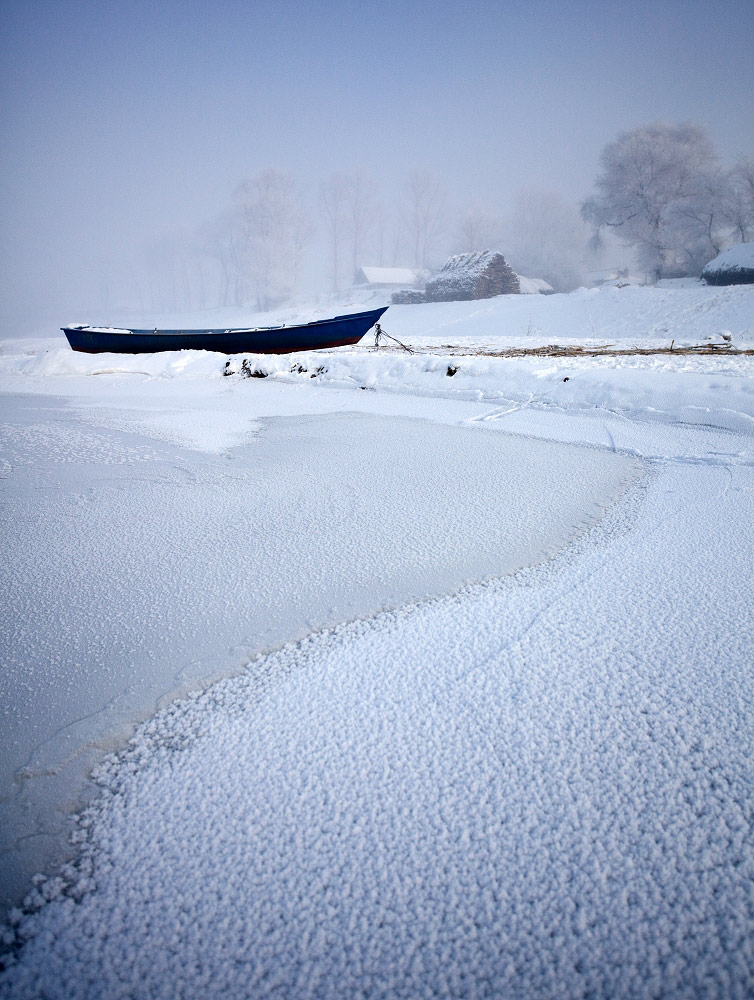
(379, 333)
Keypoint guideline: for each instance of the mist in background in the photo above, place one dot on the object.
(139, 139)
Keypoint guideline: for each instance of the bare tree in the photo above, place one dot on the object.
(270, 229)
(361, 211)
(217, 242)
(647, 175)
(301, 236)
(380, 233)
(424, 215)
(332, 196)
(393, 237)
(476, 231)
(227, 240)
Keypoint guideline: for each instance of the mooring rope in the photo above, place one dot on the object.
(379, 333)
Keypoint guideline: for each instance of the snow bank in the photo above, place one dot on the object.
(697, 390)
(62, 361)
(630, 316)
(712, 391)
(542, 785)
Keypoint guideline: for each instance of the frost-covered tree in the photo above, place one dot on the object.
(697, 227)
(739, 207)
(424, 216)
(332, 199)
(361, 214)
(476, 230)
(224, 241)
(650, 178)
(270, 229)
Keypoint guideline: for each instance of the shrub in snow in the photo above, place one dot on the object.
(734, 266)
(408, 297)
(479, 275)
(248, 372)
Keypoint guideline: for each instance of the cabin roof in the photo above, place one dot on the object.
(533, 286)
(387, 275)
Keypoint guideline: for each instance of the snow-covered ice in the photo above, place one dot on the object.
(141, 569)
(537, 785)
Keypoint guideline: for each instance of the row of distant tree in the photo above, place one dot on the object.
(661, 191)
(263, 241)
(273, 236)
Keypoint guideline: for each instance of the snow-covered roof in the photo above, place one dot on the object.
(534, 286)
(388, 275)
(606, 274)
(739, 257)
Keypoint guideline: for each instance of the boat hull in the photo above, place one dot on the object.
(336, 332)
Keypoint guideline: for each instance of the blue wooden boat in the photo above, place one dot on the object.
(336, 332)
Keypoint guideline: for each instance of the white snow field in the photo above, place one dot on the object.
(537, 785)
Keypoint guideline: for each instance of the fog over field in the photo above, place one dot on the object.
(129, 131)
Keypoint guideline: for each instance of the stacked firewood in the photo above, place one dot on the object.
(478, 275)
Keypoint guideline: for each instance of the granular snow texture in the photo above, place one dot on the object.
(133, 570)
(539, 787)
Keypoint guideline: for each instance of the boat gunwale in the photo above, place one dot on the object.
(218, 331)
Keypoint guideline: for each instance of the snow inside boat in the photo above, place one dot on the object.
(336, 332)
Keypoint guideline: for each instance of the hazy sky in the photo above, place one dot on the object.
(122, 121)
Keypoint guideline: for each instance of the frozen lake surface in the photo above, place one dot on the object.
(135, 569)
(536, 787)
